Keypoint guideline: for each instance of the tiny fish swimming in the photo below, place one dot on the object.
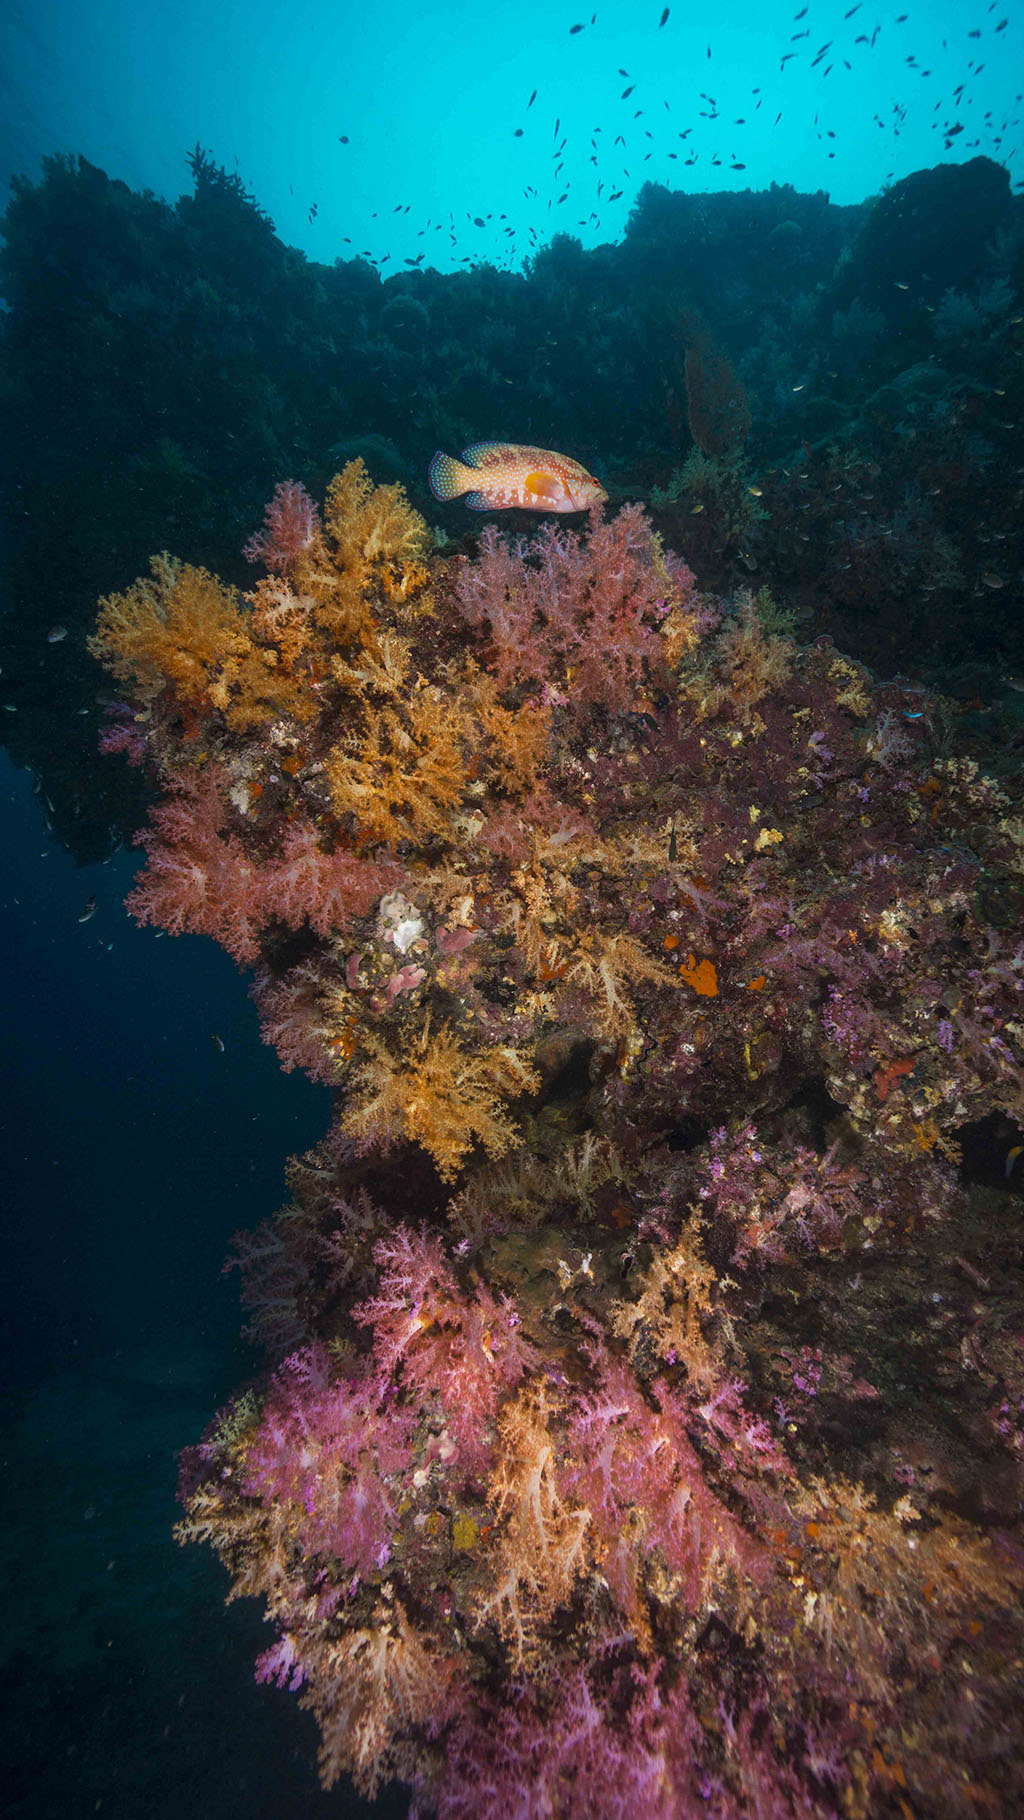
(495, 476)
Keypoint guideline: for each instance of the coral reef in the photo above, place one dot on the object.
(642, 1430)
(164, 363)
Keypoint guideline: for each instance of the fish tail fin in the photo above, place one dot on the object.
(449, 477)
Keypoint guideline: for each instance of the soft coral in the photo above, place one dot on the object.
(633, 1453)
(578, 617)
(201, 878)
(314, 1450)
(197, 877)
(466, 1348)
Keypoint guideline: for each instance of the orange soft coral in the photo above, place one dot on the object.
(404, 773)
(244, 661)
(372, 541)
(541, 1545)
(181, 629)
(177, 626)
(439, 1095)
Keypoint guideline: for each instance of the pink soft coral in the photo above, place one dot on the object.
(583, 1751)
(197, 878)
(633, 1453)
(327, 889)
(200, 878)
(465, 1348)
(315, 1450)
(289, 523)
(579, 618)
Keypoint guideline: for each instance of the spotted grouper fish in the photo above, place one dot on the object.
(496, 475)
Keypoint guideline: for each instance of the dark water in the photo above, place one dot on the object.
(132, 1150)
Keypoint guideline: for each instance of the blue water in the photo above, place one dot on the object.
(429, 99)
(132, 1148)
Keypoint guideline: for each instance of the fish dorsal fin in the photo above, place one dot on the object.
(543, 485)
(489, 454)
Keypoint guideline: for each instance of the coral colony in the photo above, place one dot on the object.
(604, 1464)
